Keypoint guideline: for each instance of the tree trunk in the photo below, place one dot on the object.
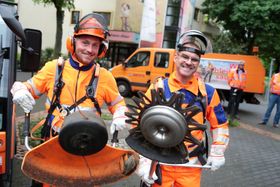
(59, 32)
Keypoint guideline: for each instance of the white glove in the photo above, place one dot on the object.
(216, 158)
(119, 118)
(143, 171)
(22, 96)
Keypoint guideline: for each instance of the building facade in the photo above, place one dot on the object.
(166, 20)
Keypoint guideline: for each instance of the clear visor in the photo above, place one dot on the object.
(198, 41)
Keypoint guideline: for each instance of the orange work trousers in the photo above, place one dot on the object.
(175, 176)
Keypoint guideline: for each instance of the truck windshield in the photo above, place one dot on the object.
(139, 59)
(5, 40)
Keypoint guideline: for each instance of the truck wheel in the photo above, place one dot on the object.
(124, 88)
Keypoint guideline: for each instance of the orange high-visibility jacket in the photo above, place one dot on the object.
(76, 80)
(214, 110)
(236, 80)
(275, 84)
(215, 115)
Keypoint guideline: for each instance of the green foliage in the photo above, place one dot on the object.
(106, 116)
(224, 43)
(233, 122)
(251, 23)
(59, 5)
(46, 55)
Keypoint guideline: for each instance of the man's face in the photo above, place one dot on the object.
(86, 48)
(186, 63)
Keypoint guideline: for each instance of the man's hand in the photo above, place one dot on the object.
(22, 96)
(143, 171)
(216, 158)
(119, 118)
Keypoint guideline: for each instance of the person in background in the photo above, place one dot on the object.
(274, 99)
(237, 81)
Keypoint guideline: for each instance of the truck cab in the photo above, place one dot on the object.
(141, 68)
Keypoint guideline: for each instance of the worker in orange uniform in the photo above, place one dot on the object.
(237, 81)
(192, 45)
(274, 99)
(78, 83)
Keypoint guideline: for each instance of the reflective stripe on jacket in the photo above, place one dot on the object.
(275, 84)
(237, 78)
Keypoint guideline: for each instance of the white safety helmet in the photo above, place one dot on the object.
(198, 39)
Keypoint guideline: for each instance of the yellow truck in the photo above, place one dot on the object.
(146, 64)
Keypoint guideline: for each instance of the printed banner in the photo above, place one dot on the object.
(215, 72)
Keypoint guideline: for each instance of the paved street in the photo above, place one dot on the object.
(252, 158)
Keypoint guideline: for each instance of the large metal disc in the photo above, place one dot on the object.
(83, 133)
(163, 126)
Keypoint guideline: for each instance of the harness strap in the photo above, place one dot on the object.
(55, 101)
(203, 147)
(46, 131)
(90, 91)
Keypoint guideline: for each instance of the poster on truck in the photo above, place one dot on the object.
(215, 71)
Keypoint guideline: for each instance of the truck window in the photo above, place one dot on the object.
(139, 59)
(161, 60)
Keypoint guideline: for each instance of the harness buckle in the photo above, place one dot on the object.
(90, 91)
(64, 112)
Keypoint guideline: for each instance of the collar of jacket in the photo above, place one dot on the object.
(76, 65)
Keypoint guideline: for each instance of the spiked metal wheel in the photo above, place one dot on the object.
(162, 126)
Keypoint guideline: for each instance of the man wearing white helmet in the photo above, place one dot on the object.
(192, 44)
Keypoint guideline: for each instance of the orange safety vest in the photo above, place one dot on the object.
(76, 81)
(237, 79)
(275, 84)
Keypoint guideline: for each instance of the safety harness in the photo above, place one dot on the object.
(65, 111)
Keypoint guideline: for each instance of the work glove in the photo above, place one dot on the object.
(119, 118)
(143, 171)
(216, 158)
(22, 97)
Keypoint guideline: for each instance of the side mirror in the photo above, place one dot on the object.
(31, 41)
(31, 51)
(124, 63)
(12, 23)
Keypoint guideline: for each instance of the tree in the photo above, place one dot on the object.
(59, 5)
(250, 22)
(224, 44)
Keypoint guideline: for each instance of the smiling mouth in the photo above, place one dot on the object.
(185, 66)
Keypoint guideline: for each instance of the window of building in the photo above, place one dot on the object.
(106, 15)
(169, 39)
(196, 14)
(75, 17)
